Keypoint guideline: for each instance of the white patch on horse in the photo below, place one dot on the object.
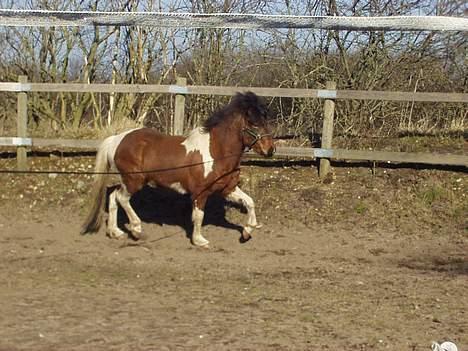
(198, 140)
(178, 187)
(174, 186)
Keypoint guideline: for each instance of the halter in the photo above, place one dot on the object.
(254, 134)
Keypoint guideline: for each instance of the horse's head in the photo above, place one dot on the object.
(256, 133)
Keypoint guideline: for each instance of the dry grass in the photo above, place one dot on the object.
(86, 132)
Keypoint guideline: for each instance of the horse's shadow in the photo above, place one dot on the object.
(165, 206)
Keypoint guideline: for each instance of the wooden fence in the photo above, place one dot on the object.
(325, 153)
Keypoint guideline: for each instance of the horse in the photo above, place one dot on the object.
(205, 162)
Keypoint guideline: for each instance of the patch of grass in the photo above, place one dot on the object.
(453, 143)
(432, 194)
(361, 207)
(435, 143)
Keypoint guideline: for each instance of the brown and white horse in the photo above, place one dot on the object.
(207, 161)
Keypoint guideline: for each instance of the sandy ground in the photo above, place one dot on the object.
(358, 262)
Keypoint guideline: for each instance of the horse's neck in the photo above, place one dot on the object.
(227, 143)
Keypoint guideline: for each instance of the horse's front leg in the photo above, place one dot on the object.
(198, 213)
(238, 196)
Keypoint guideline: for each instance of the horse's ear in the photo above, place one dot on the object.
(257, 110)
(254, 100)
(253, 107)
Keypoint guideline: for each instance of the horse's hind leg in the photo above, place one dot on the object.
(123, 196)
(238, 196)
(112, 228)
(197, 218)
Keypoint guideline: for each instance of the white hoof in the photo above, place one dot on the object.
(117, 234)
(201, 242)
(249, 228)
(258, 226)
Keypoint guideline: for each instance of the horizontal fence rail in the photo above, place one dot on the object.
(47, 18)
(217, 90)
(295, 152)
(22, 142)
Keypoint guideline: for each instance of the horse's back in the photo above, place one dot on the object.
(147, 146)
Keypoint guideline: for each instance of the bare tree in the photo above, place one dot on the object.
(417, 61)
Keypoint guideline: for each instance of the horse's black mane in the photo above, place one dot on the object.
(248, 104)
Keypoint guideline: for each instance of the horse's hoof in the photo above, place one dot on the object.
(245, 236)
(118, 236)
(136, 230)
(258, 226)
(140, 236)
(203, 243)
(137, 235)
(204, 246)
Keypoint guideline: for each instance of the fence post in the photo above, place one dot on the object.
(179, 113)
(22, 126)
(327, 129)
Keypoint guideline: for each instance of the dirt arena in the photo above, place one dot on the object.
(360, 261)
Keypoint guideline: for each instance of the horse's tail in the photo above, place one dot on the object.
(94, 219)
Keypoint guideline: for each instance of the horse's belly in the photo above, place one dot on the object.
(177, 186)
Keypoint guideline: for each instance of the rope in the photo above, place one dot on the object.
(46, 18)
(247, 148)
(160, 170)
